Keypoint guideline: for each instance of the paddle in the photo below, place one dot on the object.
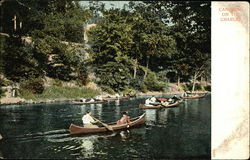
(104, 124)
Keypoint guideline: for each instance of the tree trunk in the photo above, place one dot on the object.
(178, 80)
(194, 79)
(146, 71)
(135, 68)
(14, 20)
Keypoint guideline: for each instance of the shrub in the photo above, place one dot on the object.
(107, 89)
(207, 88)
(137, 84)
(152, 82)
(128, 91)
(198, 86)
(184, 87)
(36, 86)
(2, 91)
(57, 82)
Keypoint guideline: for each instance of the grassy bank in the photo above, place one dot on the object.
(55, 92)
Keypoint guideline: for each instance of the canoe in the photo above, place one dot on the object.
(74, 129)
(115, 98)
(194, 97)
(78, 102)
(143, 106)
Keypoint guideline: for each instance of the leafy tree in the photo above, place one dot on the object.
(191, 28)
(19, 62)
(115, 74)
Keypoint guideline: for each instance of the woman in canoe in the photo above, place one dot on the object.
(125, 119)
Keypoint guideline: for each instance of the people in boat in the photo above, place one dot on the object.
(125, 119)
(117, 95)
(175, 98)
(170, 101)
(147, 102)
(83, 100)
(165, 103)
(88, 121)
(91, 100)
(98, 98)
(153, 99)
(184, 94)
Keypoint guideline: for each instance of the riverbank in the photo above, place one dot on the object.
(18, 100)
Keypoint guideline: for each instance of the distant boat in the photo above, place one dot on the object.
(194, 97)
(159, 106)
(79, 102)
(116, 98)
(74, 129)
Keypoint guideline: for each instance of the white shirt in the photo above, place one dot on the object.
(99, 98)
(147, 102)
(87, 119)
(153, 99)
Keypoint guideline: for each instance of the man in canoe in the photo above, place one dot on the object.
(125, 119)
(175, 98)
(88, 121)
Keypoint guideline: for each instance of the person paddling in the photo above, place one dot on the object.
(125, 119)
(88, 121)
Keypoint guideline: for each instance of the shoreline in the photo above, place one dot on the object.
(19, 101)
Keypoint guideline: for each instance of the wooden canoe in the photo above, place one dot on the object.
(78, 102)
(194, 97)
(143, 106)
(74, 129)
(115, 98)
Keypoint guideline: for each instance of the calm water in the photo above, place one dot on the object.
(41, 131)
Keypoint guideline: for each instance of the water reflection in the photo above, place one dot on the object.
(163, 116)
(151, 115)
(117, 102)
(99, 109)
(124, 134)
(182, 131)
(87, 146)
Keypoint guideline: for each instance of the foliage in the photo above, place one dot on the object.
(107, 89)
(207, 88)
(19, 61)
(114, 74)
(57, 82)
(2, 91)
(152, 83)
(128, 46)
(35, 86)
(56, 92)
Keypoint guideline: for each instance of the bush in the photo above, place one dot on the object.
(128, 91)
(107, 89)
(57, 82)
(36, 86)
(152, 83)
(207, 88)
(198, 86)
(137, 84)
(184, 87)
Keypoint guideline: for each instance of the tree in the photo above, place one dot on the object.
(190, 26)
(151, 35)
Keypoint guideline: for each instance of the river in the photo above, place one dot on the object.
(41, 131)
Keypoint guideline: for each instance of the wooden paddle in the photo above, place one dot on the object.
(104, 124)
